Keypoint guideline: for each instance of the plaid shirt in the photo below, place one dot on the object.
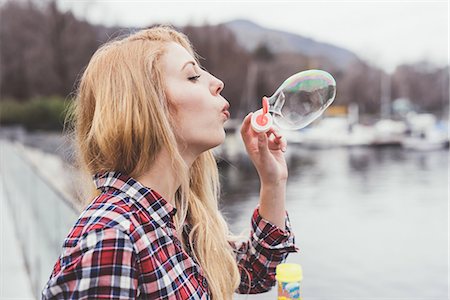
(124, 246)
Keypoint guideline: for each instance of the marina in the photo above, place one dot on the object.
(363, 207)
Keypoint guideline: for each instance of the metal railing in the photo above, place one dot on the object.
(42, 215)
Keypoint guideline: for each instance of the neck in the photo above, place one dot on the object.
(162, 178)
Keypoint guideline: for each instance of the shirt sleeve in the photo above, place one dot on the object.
(101, 266)
(258, 257)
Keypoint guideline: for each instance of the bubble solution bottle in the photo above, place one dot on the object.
(289, 277)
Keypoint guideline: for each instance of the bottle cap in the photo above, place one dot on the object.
(289, 272)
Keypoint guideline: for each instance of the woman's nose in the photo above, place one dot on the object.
(216, 86)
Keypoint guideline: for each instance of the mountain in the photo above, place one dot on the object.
(250, 35)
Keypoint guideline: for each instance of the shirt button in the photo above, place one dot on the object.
(205, 283)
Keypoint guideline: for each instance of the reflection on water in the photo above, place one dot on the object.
(370, 223)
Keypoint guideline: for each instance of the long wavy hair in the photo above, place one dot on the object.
(121, 120)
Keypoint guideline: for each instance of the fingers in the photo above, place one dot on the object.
(263, 144)
(246, 124)
(278, 139)
(248, 135)
(283, 145)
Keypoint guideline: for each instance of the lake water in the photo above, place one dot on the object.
(370, 223)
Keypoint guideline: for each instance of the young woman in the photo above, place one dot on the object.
(146, 118)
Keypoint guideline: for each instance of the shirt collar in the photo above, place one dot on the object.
(151, 200)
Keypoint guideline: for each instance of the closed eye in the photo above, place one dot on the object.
(194, 78)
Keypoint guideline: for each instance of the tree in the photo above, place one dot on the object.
(42, 49)
(424, 84)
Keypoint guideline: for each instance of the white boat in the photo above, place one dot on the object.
(337, 132)
(389, 132)
(425, 134)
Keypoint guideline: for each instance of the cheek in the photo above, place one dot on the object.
(199, 126)
(194, 117)
(192, 108)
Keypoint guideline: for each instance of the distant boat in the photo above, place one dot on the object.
(389, 132)
(337, 131)
(419, 132)
(425, 133)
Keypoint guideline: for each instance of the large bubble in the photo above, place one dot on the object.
(302, 98)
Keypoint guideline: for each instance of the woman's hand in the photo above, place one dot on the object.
(266, 150)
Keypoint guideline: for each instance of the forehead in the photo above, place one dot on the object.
(175, 57)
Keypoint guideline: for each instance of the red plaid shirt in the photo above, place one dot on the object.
(124, 246)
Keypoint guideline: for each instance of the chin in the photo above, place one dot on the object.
(217, 141)
(222, 137)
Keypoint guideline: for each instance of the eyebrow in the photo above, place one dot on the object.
(189, 62)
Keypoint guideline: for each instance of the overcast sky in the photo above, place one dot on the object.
(386, 33)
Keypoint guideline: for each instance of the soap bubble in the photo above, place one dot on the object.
(302, 98)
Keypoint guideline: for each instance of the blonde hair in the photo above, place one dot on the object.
(122, 120)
